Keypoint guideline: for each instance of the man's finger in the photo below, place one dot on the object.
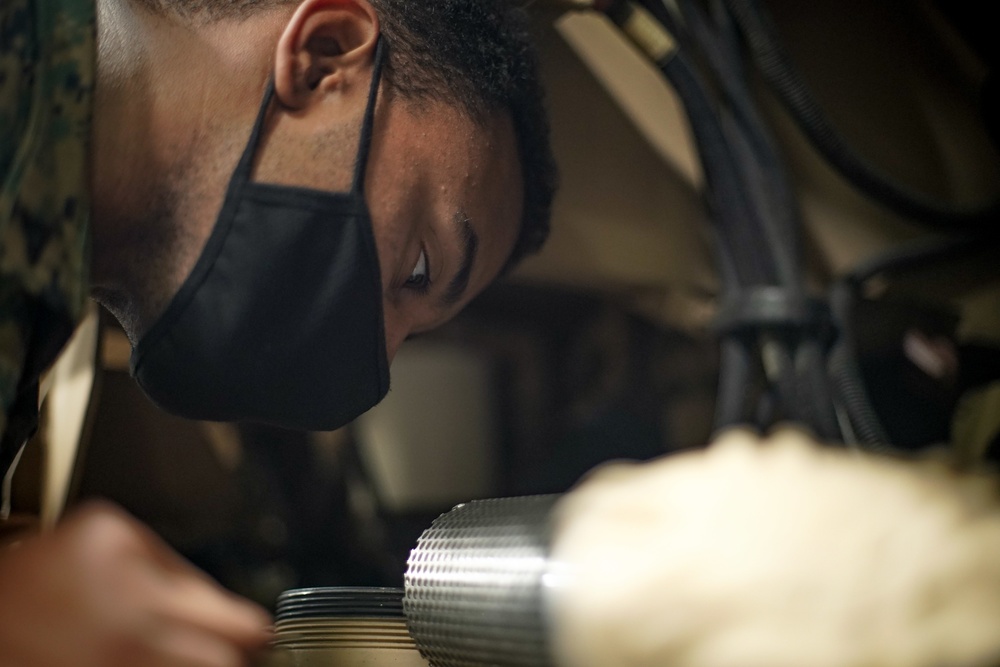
(186, 646)
(192, 601)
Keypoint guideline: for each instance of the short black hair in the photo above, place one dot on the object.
(475, 54)
(478, 55)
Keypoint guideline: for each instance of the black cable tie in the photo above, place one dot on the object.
(771, 307)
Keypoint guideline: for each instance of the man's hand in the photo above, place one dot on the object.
(103, 591)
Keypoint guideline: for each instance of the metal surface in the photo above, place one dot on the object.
(474, 584)
(339, 602)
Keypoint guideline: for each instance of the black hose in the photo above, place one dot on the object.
(778, 71)
(845, 374)
(814, 390)
(735, 373)
(752, 149)
(913, 254)
(773, 209)
(744, 248)
(756, 220)
(801, 379)
(731, 209)
(768, 209)
(728, 200)
(726, 64)
(844, 370)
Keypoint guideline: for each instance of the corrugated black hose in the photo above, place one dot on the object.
(778, 70)
(843, 366)
(846, 376)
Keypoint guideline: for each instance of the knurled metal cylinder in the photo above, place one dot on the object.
(474, 584)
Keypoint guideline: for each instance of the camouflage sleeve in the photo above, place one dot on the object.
(47, 70)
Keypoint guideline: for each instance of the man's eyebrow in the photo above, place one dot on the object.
(469, 241)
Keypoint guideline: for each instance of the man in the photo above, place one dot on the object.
(275, 195)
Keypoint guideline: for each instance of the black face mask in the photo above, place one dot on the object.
(280, 321)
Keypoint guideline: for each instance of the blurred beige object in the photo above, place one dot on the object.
(776, 553)
(38, 485)
(976, 423)
(70, 385)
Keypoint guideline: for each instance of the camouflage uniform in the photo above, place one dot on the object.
(47, 70)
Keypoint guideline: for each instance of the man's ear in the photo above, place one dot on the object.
(324, 45)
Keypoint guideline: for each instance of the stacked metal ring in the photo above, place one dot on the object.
(324, 618)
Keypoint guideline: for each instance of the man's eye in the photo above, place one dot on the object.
(419, 278)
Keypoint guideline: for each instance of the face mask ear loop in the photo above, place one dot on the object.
(243, 168)
(364, 144)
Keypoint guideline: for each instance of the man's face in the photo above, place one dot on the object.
(445, 196)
